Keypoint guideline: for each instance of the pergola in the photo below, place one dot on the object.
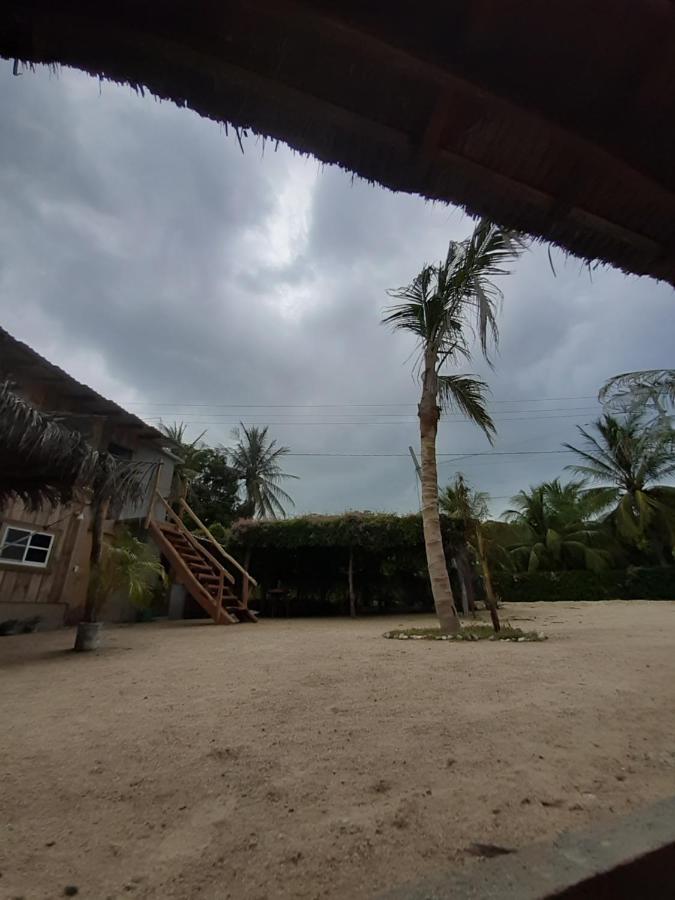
(557, 118)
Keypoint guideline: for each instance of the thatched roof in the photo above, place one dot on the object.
(24, 366)
(557, 118)
(41, 461)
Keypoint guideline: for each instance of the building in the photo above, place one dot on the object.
(44, 554)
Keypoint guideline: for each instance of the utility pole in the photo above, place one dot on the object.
(418, 481)
(415, 463)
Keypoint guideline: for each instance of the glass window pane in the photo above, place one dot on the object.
(37, 555)
(14, 544)
(12, 552)
(16, 536)
(41, 540)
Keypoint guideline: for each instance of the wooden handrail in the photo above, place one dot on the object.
(206, 531)
(195, 543)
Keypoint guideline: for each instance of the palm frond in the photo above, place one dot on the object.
(467, 394)
(256, 461)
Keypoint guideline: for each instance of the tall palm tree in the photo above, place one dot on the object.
(470, 507)
(255, 460)
(561, 527)
(442, 306)
(628, 460)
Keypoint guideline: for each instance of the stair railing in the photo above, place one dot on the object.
(200, 549)
(247, 579)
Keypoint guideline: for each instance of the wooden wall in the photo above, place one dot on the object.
(24, 586)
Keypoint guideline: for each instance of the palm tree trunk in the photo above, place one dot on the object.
(433, 540)
(100, 512)
(487, 580)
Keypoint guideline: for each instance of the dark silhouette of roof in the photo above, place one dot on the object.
(557, 118)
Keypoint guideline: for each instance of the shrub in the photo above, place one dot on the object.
(625, 584)
(309, 556)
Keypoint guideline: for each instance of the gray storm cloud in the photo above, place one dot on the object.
(141, 251)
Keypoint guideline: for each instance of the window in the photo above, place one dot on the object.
(25, 548)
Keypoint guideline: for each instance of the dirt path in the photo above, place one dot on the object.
(312, 758)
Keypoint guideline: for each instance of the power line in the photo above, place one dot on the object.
(175, 404)
(401, 415)
(458, 456)
(367, 422)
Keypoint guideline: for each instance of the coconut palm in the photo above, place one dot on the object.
(121, 481)
(470, 507)
(443, 307)
(255, 460)
(193, 456)
(41, 461)
(629, 461)
(560, 527)
(649, 391)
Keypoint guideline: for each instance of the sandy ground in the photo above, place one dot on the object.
(312, 758)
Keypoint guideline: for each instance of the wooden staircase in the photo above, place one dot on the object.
(195, 563)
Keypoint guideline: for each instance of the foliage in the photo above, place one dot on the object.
(467, 633)
(652, 390)
(214, 491)
(127, 564)
(41, 461)
(255, 460)
(364, 530)
(459, 501)
(633, 583)
(193, 454)
(628, 459)
(445, 298)
(309, 557)
(559, 530)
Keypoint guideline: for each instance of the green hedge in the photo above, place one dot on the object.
(309, 556)
(365, 530)
(625, 584)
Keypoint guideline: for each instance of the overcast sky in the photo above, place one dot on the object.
(145, 254)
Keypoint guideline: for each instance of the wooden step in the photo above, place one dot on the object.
(184, 575)
(242, 613)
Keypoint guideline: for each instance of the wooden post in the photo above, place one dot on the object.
(350, 581)
(153, 494)
(487, 579)
(462, 585)
(244, 579)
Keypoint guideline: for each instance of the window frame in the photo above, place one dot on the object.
(30, 530)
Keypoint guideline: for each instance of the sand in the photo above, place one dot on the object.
(313, 758)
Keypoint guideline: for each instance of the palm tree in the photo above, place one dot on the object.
(255, 460)
(440, 306)
(126, 564)
(193, 456)
(470, 507)
(628, 460)
(41, 461)
(561, 528)
(633, 392)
